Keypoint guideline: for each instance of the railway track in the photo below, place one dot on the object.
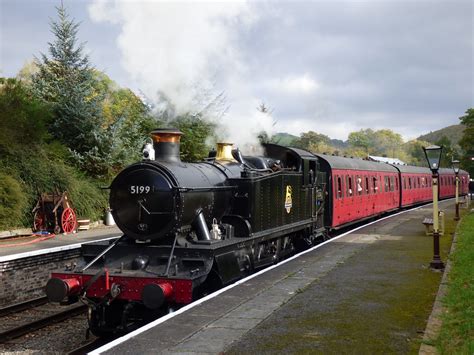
(40, 321)
(90, 346)
(22, 306)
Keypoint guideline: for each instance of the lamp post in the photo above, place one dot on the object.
(456, 171)
(433, 157)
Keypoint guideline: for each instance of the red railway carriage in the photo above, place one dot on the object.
(359, 189)
(463, 182)
(447, 183)
(416, 185)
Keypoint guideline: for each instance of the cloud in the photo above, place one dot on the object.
(303, 84)
(187, 52)
(322, 66)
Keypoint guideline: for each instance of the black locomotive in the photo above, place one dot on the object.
(190, 228)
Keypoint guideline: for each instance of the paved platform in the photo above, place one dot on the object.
(368, 291)
(13, 248)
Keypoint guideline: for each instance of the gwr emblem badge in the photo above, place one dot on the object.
(288, 199)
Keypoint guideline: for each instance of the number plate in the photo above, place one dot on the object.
(139, 189)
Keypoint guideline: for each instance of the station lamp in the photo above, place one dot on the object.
(433, 157)
(455, 164)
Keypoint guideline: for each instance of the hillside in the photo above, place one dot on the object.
(453, 133)
(284, 139)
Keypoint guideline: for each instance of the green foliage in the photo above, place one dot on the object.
(13, 201)
(414, 152)
(23, 119)
(196, 132)
(449, 152)
(467, 141)
(312, 141)
(31, 163)
(362, 140)
(66, 81)
(383, 142)
(453, 133)
(285, 139)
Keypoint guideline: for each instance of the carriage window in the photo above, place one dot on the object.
(396, 183)
(422, 181)
(404, 183)
(376, 187)
(386, 183)
(349, 185)
(391, 183)
(359, 185)
(339, 187)
(367, 186)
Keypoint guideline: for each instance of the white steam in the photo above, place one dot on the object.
(187, 52)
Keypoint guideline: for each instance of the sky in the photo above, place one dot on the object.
(329, 66)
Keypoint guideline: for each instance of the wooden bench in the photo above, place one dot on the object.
(428, 222)
(464, 203)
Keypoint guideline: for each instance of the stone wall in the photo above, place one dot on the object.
(24, 279)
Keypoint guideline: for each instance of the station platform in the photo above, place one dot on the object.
(366, 291)
(27, 246)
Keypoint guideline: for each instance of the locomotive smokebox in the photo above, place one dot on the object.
(166, 143)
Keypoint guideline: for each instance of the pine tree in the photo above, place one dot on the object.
(66, 81)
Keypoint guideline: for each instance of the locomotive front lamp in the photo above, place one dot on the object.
(455, 164)
(433, 157)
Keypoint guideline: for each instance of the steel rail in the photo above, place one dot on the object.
(90, 346)
(41, 323)
(22, 306)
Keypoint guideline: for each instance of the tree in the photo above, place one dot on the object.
(467, 141)
(414, 152)
(312, 141)
(23, 119)
(196, 132)
(362, 140)
(383, 142)
(387, 142)
(65, 80)
(449, 152)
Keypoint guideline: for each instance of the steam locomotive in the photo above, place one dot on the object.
(191, 228)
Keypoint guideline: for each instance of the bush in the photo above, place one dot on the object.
(13, 201)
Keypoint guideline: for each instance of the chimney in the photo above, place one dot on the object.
(166, 144)
(224, 151)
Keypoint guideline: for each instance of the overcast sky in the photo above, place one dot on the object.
(331, 67)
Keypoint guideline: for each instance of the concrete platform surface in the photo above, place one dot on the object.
(369, 291)
(14, 248)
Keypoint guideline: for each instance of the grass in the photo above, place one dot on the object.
(457, 330)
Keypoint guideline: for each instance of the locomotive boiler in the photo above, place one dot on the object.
(190, 228)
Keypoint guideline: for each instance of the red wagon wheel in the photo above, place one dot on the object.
(68, 220)
(39, 222)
